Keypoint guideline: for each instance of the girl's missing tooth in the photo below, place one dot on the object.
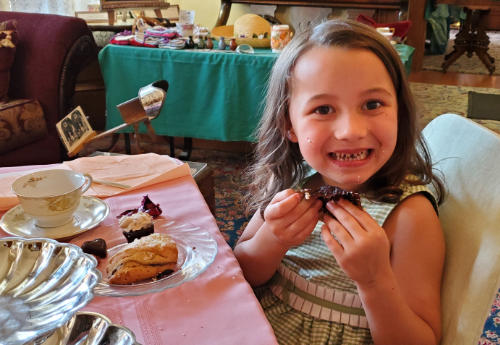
(339, 112)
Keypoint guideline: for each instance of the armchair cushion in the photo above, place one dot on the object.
(466, 155)
(21, 122)
(8, 41)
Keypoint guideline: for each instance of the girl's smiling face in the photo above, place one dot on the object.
(343, 113)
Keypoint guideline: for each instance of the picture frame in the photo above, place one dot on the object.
(74, 131)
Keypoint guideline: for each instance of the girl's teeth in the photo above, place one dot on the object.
(350, 156)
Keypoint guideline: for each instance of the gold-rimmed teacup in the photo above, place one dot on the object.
(51, 196)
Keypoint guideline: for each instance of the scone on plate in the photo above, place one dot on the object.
(136, 225)
(142, 259)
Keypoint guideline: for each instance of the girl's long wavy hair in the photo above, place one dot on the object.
(278, 162)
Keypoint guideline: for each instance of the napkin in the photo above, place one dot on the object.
(137, 171)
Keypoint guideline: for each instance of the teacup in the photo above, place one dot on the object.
(51, 196)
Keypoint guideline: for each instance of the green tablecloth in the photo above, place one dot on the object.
(212, 95)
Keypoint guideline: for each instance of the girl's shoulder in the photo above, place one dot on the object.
(380, 210)
(412, 185)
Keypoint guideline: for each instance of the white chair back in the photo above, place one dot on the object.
(468, 155)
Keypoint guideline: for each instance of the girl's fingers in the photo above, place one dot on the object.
(306, 212)
(330, 241)
(363, 219)
(282, 203)
(338, 231)
(346, 219)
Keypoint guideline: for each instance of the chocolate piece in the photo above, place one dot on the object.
(326, 193)
(95, 247)
(131, 235)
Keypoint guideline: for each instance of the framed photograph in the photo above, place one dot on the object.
(74, 131)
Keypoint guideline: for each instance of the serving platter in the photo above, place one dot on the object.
(90, 329)
(197, 250)
(43, 283)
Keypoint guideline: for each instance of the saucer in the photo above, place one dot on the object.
(88, 215)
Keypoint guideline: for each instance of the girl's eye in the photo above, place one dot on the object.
(372, 105)
(323, 110)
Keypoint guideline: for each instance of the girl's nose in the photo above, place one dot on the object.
(350, 125)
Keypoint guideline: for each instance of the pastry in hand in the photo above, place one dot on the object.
(328, 193)
(136, 225)
(145, 258)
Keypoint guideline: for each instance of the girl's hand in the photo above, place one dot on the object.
(290, 218)
(359, 244)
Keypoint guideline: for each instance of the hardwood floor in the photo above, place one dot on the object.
(453, 78)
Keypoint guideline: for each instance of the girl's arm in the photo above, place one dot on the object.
(289, 219)
(397, 271)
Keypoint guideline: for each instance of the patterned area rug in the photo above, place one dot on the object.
(433, 100)
(464, 64)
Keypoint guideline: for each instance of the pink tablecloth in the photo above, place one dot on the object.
(217, 307)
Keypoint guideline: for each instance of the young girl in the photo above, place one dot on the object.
(339, 112)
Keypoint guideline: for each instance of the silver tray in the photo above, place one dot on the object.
(197, 250)
(43, 283)
(90, 329)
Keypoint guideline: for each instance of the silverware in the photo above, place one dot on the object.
(91, 329)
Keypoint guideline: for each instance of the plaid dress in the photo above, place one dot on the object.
(310, 300)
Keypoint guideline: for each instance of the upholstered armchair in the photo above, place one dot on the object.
(50, 51)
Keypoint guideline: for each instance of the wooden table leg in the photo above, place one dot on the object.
(416, 34)
(472, 38)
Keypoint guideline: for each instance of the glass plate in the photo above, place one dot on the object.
(90, 328)
(43, 283)
(88, 215)
(197, 250)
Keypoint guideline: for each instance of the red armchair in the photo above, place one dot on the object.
(50, 52)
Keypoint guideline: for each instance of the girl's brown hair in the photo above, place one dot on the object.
(278, 161)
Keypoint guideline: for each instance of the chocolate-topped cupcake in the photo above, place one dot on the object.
(136, 225)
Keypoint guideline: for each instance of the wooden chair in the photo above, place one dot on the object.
(466, 154)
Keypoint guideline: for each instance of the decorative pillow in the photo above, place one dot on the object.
(21, 122)
(8, 41)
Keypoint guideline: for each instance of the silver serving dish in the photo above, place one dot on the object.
(90, 329)
(43, 283)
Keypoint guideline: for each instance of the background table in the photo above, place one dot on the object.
(213, 95)
(217, 307)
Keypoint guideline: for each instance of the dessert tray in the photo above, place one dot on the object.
(43, 283)
(88, 215)
(90, 329)
(197, 250)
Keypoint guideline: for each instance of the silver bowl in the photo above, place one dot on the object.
(43, 283)
(90, 329)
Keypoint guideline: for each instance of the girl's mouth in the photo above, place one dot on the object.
(350, 156)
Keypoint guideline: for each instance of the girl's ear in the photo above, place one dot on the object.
(290, 134)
